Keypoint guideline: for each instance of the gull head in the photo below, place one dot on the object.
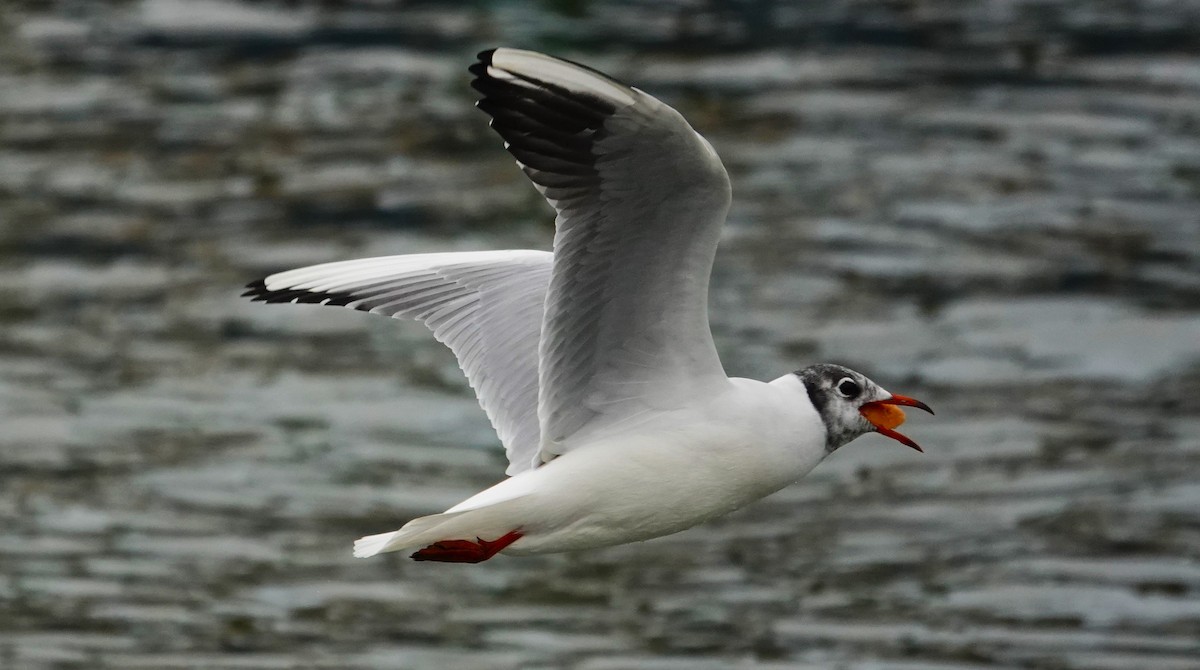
(852, 405)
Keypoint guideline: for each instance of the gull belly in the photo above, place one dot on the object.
(708, 461)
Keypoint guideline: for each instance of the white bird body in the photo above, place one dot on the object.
(687, 466)
(595, 362)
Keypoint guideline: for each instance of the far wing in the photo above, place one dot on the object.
(641, 198)
(486, 306)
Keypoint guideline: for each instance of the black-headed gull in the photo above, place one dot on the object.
(595, 363)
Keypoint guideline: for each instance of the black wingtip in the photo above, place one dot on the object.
(485, 56)
(256, 290)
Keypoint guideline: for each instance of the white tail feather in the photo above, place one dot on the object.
(490, 517)
(366, 547)
(416, 533)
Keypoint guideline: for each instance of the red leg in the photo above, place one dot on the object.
(466, 551)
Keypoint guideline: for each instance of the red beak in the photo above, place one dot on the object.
(884, 416)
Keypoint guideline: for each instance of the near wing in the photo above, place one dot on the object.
(486, 306)
(641, 198)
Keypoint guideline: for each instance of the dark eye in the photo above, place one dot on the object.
(848, 388)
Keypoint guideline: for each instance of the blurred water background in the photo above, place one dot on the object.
(993, 206)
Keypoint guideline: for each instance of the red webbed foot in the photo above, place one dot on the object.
(465, 551)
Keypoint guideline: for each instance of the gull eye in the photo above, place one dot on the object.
(848, 388)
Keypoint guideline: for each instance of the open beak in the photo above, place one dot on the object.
(884, 415)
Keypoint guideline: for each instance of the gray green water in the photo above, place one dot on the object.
(993, 207)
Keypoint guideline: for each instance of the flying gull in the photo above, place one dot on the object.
(595, 362)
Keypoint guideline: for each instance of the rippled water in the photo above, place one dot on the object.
(997, 211)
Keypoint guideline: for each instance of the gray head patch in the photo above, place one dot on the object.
(842, 421)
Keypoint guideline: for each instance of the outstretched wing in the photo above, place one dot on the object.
(486, 306)
(641, 198)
